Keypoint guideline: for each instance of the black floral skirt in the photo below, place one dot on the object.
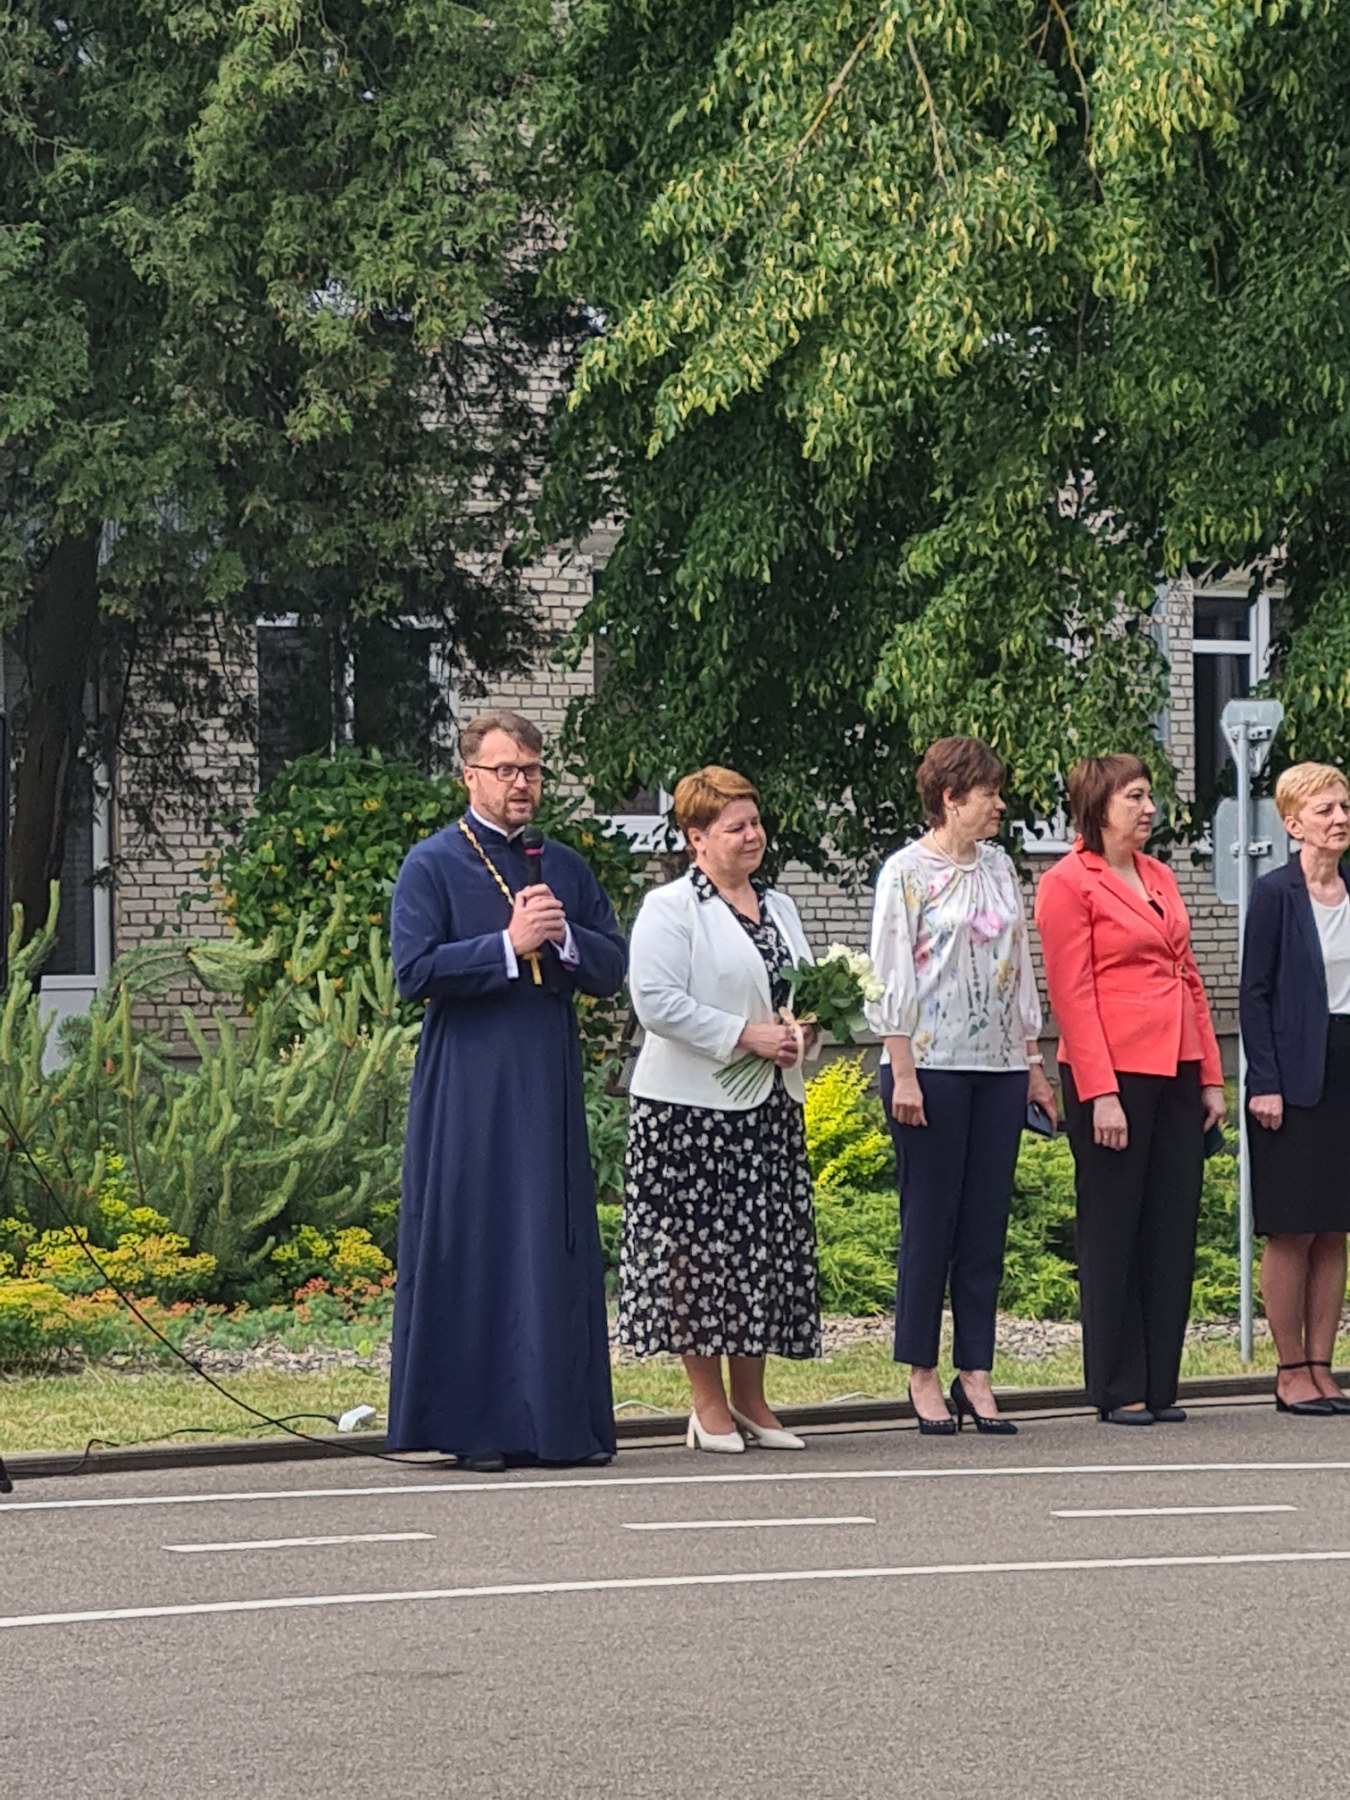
(719, 1239)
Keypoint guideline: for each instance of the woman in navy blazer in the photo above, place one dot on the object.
(1295, 1013)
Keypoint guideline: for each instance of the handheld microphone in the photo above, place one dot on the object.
(532, 843)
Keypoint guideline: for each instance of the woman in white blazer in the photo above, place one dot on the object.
(719, 1245)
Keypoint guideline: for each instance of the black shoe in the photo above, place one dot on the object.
(995, 1426)
(1174, 1415)
(932, 1427)
(1339, 1403)
(1303, 1409)
(1124, 1415)
(486, 1462)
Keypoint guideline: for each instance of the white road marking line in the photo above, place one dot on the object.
(1158, 1512)
(364, 1537)
(629, 1584)
(744, 1524)
(587, 1482)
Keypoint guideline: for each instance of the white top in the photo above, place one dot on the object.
(696, 981)
(1333, 927)
(951, 945)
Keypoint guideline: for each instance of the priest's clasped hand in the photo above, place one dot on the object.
(538, 918)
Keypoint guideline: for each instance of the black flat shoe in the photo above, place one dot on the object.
(1339, 1403)
(1124, 1415)
(1302, 1409)
(1169, 1415)
(993, 1426)
(932, 1427)
(487, 1462)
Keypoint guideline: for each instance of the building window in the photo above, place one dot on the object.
(82, 949)
(1230, 642)
(643, 814)
(384, 689)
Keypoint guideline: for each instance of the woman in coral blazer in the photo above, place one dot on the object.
(1142, 1084)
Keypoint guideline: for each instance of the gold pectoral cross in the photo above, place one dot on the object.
(532, 958)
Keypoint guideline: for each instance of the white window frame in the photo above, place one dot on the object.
(1052, 837)
(1256, 644)
(648, 834)
(1047, 837)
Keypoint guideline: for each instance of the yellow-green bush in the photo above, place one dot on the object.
(847, 1142)
(348, 1256)
(157, 1263)
(38, 1324)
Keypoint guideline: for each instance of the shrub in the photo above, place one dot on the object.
(1039, 1271)
(856, 1238)
(610, 1219)
(607, 1128)
(344, 822)
(39, 1324)
(323, 823)
(293, 1114)
(349, 1257)
(847, 1140)
(157, 1263)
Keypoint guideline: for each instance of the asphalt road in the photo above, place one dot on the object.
(883, 1615)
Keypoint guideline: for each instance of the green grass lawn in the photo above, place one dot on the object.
(62, 1412)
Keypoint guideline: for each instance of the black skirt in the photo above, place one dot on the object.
(719, 1240)
(1301, 1173)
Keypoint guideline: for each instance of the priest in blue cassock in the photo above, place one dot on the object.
(500, 1348)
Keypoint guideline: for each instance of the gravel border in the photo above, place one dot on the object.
(1028, 1340)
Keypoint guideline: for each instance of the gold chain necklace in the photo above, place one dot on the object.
(529, 956)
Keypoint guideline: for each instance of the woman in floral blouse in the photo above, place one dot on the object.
(960, 1017)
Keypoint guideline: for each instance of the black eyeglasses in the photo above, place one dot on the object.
(510, 773)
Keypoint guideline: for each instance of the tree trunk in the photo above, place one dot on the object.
(57, 637)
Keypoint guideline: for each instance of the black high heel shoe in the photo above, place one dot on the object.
(995, 1426)
(932, 1427)
(1338, 1403)
(1304, 1409)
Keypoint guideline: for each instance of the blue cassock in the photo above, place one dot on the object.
(500, 1340)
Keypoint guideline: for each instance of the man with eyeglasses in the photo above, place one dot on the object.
(500, 1348)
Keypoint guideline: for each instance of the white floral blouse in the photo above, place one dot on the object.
(951, 946)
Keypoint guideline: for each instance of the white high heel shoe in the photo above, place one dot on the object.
(768, 1437)
(696, 1438)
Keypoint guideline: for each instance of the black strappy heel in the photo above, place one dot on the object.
(1303, 1409)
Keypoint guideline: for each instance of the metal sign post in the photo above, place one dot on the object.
(1247, 842)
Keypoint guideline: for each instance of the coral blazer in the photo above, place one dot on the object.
(1122, 977)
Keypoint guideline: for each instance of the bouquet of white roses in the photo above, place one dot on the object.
(829, 994)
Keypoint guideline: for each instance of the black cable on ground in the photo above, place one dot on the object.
(265, 1418)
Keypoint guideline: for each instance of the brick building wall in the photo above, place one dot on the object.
(151, 883)
(153, 879)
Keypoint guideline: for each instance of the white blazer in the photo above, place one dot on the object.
(696, 981)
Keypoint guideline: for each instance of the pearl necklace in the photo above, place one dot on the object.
(947, 856)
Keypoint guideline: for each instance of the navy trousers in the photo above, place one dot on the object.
(956, 1179)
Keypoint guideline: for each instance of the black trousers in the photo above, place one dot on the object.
(1137, 1215)
(956, 1181)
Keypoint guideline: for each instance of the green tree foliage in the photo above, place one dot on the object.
(264, 341)
(928, 339)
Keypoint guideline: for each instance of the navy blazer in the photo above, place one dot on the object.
(1282, 1000)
